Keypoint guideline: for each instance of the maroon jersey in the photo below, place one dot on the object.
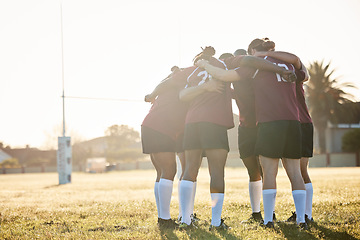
(243, 91)
(234, 62)
(167, 114)
(210, 107)
(303, 110)
(275, 99)
(245, 97)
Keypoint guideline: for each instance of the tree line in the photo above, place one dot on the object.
(120, 143)
(328, 102)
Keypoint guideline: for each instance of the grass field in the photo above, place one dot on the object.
(121, 205)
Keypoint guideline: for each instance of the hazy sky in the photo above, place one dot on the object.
(121, 50)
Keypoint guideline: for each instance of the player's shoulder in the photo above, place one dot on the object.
(217, 62)
(186, 71)
(278, 61)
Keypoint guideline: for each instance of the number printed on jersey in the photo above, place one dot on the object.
(206, 76)
(279, 78)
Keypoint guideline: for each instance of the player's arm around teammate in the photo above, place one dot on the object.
(307, 129)
(248, 61)
(159, 135)
(208, 118)
(279, 135)
(306, 124)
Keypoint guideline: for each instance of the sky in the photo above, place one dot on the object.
(115, 52)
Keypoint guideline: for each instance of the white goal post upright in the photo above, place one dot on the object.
(64, 160)
(64, 152)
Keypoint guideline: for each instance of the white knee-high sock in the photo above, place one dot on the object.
(193, 198)
(165, 192)
(216, 209)
(186, 190)
(309, 197)
(179, 193)
(156, 193)
(269, 197)
(299, 200)
(255, 189)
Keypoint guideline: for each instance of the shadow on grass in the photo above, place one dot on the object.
(53, 186)
(227, 235)
(167, 234)
(331, 234)
(200, 233)
(291, 231)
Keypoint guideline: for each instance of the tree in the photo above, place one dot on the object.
(325, 97)
(119, 137)
(80, 153)
(10, 163)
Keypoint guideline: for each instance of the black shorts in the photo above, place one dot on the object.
(204, 135)
(179, 143)
(154, 141)
(279, 139)
(307, 140)
(246, 141)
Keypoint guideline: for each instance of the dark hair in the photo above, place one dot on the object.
(226, 55)
(174, 68)
(263, 44)
(206, 53)
(240, 52)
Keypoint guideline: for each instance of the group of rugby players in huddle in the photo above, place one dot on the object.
(192, 111)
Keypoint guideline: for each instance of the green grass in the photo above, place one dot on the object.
(120, 205)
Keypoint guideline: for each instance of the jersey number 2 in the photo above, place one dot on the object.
(279, 78)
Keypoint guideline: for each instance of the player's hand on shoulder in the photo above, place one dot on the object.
(149, 98)
(214, 86)
(201, 63)
(288, 75)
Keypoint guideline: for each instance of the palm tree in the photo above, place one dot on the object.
(326, 97)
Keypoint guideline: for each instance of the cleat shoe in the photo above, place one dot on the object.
(194, 218)
(292, 218)
(167, 223)
(255, 217)
(269, 225)
(308, 220)
(184, 226)
(222, 226)
(274, 216)
(303, 226)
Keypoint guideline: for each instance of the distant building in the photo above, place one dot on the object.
(347, 119)
(28, 156)
(334, 134)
